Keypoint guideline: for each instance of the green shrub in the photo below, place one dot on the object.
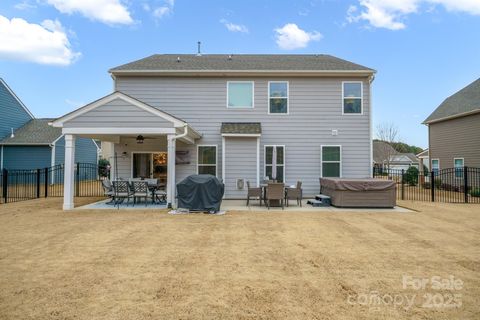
(438, 183)
(103, 167)
(475, 192)
(411, 176)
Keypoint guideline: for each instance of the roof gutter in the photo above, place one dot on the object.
(459, 115)
(331, 73)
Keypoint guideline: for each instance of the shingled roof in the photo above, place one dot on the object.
(36, 131)
(464, 101)
(241, 62)
(241, 128)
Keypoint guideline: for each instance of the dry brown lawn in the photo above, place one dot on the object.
(268, 265)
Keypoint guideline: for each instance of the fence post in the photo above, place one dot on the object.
(403, 188)
(465, 183)
(432, 184)
(78, 180)
(5, 185)
(38, 183)
(46, 182)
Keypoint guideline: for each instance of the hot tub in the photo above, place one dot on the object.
(365, 193)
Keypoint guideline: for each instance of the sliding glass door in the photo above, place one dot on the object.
(150, 165)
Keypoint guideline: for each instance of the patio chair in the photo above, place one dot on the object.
(253, 193)
(161, 196)
(152, 182)
(294, 194)
(140, 190)
(108, 190)
(276, 192)
(121, 190)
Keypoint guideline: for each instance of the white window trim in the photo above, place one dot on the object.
(361, 98)
(287, 97)
(438, 164)
(253, 95)
(151, 159)
(322, 162)
(216, 158)
(265, 159)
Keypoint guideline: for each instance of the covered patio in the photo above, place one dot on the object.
(126, 127)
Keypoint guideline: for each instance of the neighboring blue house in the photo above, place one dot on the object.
(29, 143)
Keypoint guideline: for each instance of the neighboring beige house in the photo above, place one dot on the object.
(424, 159)
(454, 130)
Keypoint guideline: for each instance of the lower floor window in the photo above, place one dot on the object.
(331, 161)
(435, 165)
(275, 163)
(458, 163)
(207, 160)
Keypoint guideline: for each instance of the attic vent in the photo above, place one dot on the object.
(178, 59)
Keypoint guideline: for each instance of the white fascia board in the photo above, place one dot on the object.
(253, 135)
(365, 73)
(118, 131)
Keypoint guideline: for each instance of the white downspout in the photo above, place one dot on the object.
(171, 188)
(370, 100)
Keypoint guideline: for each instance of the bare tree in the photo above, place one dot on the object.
(387, 133)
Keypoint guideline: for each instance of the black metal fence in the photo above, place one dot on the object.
(456, 185)
(19, 185)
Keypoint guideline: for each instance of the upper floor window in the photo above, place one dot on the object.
(240, 94)
(352, 98)
(278, 97)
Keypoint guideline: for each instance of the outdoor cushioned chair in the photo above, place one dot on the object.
(161, 196)
(140, 190)
(294, 194)
(121, 191)
(108, 190)
(253, 193)
(276, 192)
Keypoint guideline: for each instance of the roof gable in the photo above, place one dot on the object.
(463, 102)
(107, 104)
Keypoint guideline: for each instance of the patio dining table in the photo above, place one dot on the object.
(264, 189)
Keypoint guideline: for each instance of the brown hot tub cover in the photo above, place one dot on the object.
(374, 193)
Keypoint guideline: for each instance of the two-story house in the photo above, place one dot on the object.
(29, 143)
(239, 117)
(454, 130)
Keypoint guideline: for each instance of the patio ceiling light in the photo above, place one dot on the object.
(140, 139)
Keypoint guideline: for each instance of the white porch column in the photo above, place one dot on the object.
(258, 162)
(171, 185)
(69, 175)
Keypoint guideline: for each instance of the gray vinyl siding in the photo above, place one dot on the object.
(85, 151)
(456, 138)
(12, 114)
(26, 157)
(315, 108)
(118, 113)
(240, 163)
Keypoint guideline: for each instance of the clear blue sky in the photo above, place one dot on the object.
(55, 53)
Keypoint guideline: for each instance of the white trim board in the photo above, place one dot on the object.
(119, 131)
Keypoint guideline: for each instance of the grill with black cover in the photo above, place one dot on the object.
(201, 192)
